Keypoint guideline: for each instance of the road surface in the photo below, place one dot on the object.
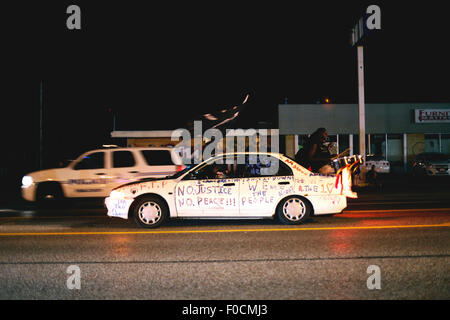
(376, 249)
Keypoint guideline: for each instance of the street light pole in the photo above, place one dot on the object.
(362, 107)
(371, 20)
(40, 127)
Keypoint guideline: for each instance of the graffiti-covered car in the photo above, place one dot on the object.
(235, 186)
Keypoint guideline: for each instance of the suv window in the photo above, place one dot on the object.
(94, 160)
(123, 159)
(157, 157)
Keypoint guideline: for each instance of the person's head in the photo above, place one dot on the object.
(321, 133)
(218, 171)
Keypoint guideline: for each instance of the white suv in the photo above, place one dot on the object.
(95, 173)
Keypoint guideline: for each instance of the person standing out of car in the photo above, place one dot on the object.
(315, 155)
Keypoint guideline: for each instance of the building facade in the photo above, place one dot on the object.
(394, 132)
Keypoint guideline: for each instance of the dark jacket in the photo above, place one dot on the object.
(320, 157)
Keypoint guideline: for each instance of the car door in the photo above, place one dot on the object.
(266, 181)
(211, 190)
(88, 176)
(123, 168)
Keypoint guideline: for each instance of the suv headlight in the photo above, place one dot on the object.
(27, 181)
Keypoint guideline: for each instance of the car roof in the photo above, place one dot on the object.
(275, 154)
(248, 152)
(434, 156)
(133, 148)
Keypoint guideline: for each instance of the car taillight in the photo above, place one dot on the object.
(180, 168)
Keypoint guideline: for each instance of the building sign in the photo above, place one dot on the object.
(432, 115)
(371, 20)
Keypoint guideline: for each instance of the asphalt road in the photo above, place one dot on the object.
(407, 240)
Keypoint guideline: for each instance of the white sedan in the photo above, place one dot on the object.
(381, 165)
(237, 186)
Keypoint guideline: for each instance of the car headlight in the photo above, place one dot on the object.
(117, 195)
(27, 181)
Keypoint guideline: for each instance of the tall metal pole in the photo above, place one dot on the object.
(40, 128)
(362, 108)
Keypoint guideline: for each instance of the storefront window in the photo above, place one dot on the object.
(378, 145)
(445, 143)
(395, 149)
(356, 144)
(301, 141)
(332, 139)
(344, 143)
(431, 143)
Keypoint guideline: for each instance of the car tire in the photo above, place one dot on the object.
(49, 195)
(150, 212)
(293, 210)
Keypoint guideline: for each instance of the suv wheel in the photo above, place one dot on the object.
(49, 194)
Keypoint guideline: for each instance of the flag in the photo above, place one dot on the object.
(219, 118)
(214, 120)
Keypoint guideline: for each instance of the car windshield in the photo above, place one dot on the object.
(436, 157)
(64, 163)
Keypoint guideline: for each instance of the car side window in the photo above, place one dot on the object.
(157, 157)
(225, 169)
(123, 159)
(91, 161)
(256, 166)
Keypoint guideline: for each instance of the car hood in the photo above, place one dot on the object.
(142, 181)
(439, 163)
(48, 174)
(157, 186)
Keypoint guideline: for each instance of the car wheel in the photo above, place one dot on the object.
(49, 195)
(294, 210)
(150, 212)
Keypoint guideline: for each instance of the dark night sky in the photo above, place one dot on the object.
(158, 65)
